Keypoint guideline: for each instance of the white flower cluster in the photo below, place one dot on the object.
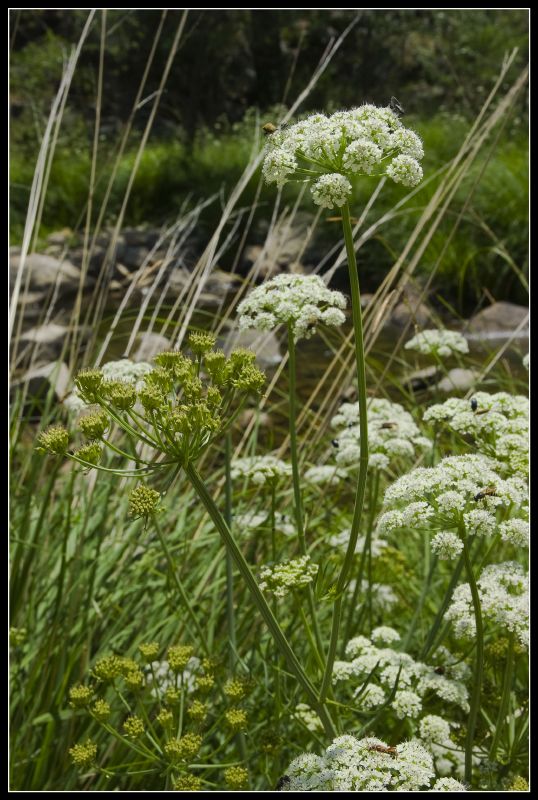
(362, 765)
(125, 370)
(382, 595)
(504, 600)
(252, 521)
(435, 733)
(416, 678)
(308, 717)
(324, 474)
(261, 470)
(301, 301)
(326, 150)
(341, 539)
(446, 545)
(438, 342)
(434, 498)
(392, 433)
(161, 677)
(498, 423)
(288, 575)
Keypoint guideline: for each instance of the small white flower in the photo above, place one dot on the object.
(439, 342)
(331, 190)
(261, 470)
(287, 576)
(406, 170)
(446, 545)
(300, 301)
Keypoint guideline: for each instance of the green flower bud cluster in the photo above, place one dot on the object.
(133, 727)
(53, 440)
(91, 453)
(179, 656)
(235, 690)
(83, 755)
(143, 501)
(197, 711)
(17, 636)
(183, 749)
(149, 650)
(236, 777)
(94, 425)
(187, 783)
(236, 718)
(101, 710)
(80, 696)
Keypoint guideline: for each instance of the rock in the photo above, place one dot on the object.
(282, 249)
(411, 311)
(218, 284)
(46, 334)
(149, 345)
(422, 378)
(263, 343)
(45, 271)
(41, 379)
(134, 256)
(60, 237)
(458, 380)
(500, 317)
(245, 418)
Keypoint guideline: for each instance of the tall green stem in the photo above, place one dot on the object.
(479, 663)
(363, 456)
(230, 613)
(259, 600)
(505, 699)
(298, 503)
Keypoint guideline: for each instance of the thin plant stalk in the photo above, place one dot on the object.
(259, 600)
(479, 662)
(230, 613)
(505, 699)
(298, 504)
(363, 456)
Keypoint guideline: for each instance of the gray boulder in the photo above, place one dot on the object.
(501, 317)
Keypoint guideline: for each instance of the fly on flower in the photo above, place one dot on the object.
(380, 748)
(489, 491)
(269, 128)
(395, 106)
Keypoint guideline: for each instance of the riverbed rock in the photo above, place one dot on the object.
(264, 343)
(149, 344)
(41, 379)
(500, 317)
(458, 380)
(422, 379)
(44, 272)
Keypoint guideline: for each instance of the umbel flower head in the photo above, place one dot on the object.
(300, 301)
(178, 408)
(328, 150)
(368, 765)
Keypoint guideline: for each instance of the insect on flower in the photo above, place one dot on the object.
(283, 781)
(395, 106)
(474, 404)
(335, 443)
(380, 748)
(489, 491)
(389, 425)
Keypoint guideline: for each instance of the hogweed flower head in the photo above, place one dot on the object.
(392, 434)
(261, 470)
(352, 765)
(300, 301)
(441, 342)
(187, 782)
(327, 150)
(504, 600)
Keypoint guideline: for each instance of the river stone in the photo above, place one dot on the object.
(501, 316)
(45, 271)
(422, 378)
(263, 343)
(409, 311)
(42, 378)
(149, 345)
(458, 380)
